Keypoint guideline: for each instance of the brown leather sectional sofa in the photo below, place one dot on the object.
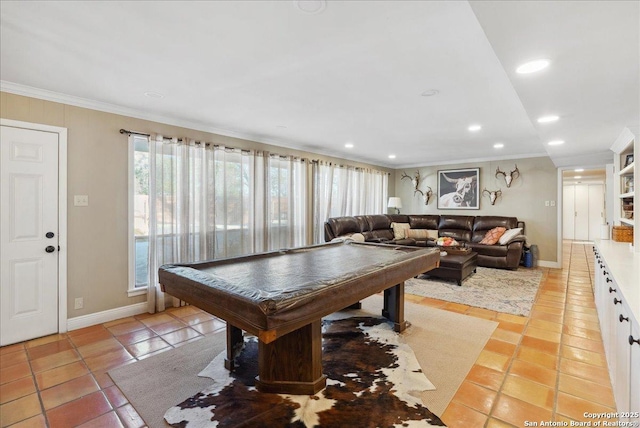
(468, 230)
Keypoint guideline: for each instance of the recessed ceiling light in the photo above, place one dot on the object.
(392, 156)
(474, 128)
(153, 95)
(430, 92)
(311, 7)
(555, 142)
(547, 119)
(498, 145)
(577, 176)
(349, 145)
(579, 169)
(532, 66)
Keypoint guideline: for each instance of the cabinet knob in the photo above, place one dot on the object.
(632, 340)
(616, 301)
(604, 272)
(623, 318)
(608, 279)
(612, 290)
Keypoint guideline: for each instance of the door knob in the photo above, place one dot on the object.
(50, 235)
(50, 249)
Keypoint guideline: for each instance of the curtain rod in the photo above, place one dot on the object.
(142, 134)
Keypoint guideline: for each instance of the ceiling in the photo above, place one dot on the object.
(355, 71)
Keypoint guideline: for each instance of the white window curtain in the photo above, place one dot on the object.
(345, 191)
(286, 190)
(210, 202)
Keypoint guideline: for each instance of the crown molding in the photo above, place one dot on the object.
(474, 160)
(623, 140)
(44, 94)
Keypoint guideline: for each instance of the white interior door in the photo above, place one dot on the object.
(596, 210)
(29, 232)
(581, 205)
(568, 212)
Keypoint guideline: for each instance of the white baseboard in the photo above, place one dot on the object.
(106, 316)
(547, 264)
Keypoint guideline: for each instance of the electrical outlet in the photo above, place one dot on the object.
(81, 200)
(79, 304)
(553, 203)
(546, 203)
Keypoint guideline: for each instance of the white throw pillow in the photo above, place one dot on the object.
(509, 235)
(357, 237)
(400, 230)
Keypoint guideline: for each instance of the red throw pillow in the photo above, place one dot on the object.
(493, 236)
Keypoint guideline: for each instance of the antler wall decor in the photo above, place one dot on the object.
(415, 180)
(493, 194)
(427, 195)
(508, 179)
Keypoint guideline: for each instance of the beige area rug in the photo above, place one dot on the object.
(507, 291)
(445, 344)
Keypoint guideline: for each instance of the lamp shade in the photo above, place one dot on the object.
(394, 202)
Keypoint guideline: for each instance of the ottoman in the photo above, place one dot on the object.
(456, 266)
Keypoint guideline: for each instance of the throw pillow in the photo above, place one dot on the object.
(358, 237)
(509, 235)
(400, 230)
(433, 233)
(493, 236)
(418, 233)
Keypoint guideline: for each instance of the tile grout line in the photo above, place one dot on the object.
(554, 411)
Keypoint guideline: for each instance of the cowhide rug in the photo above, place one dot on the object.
(373, 380)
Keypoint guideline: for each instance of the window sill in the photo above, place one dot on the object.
(137, 291)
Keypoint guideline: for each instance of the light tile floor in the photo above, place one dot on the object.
(546, 367)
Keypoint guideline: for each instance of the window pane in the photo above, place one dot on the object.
(141, 211)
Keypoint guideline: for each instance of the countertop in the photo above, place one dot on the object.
(624, 266)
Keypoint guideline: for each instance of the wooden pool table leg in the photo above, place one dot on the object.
(292, 364)
(393, 308)
(235, 342)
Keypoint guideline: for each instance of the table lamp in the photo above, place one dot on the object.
(396, 203)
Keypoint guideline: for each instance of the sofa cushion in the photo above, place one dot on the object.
(456, 226)
(488, 250)
(492, 236)
(509, 235)
(378, 221)
(424, 221)
(344, 225)
(399, 230)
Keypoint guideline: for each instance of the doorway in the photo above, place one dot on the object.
(32, 230)
(583, 208)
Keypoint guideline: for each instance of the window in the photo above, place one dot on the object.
(139, 215)
(192, 201)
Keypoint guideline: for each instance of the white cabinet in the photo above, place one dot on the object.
(634, 377)
(616, 283)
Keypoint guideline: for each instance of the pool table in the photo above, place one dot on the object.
(281, 297)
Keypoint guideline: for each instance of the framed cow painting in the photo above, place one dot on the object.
(459, 189)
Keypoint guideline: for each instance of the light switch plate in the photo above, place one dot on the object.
(81, 200)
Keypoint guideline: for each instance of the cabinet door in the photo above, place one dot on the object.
(610, 329)
(596, 210)
(621, 386)
(568, 212)
(634, 376)
(581, 227)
